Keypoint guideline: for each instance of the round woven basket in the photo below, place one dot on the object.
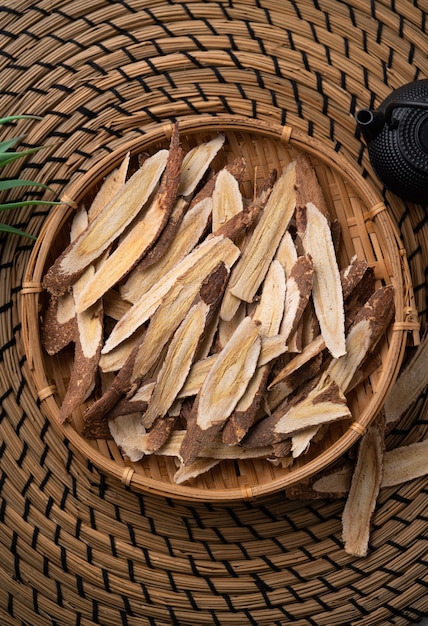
(367, 231)
(77, 546)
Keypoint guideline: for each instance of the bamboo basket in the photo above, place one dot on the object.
(367, 232)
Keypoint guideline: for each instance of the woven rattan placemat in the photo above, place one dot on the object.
(77, 548)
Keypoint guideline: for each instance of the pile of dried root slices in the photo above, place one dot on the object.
(208, 325)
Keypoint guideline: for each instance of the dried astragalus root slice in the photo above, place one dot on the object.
(268, 313)
(124, 430)
(182, 348)
(204, 257)
(323, 403)
(400, 465)
(257, 255)
(299, 289)
(107, 226)
(227, 199)
(190, 231)
(327, 290)
(111, 185)
(88, 338)
(366, 481)
(141, 237)
(226, 382)
(410, 384)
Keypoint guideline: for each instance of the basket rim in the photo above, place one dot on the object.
(75, 192)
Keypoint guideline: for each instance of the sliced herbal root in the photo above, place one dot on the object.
(268, 313)
(59, 327)
(113, 184)
(369, 325)
(88, 339)
(208, 254)
(323, 403)
(215, 450)
(190, 231)
(410, 384)
(227, 199)
(195, 164)
(141, 237)
(299, 289)
(399, 466)
(308, 189)
(113, 361)
(251, 269)
(109, 224)
(177, 363)
(221, 390)
(364, 491)
(124, 429)
(170, 314)
(193, 470)
(159, 332)
(326, 290)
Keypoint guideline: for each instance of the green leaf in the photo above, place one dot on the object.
(17, 182)
(18, 205)
(12, 118)
(8, 157)
(9, 143)
(5, 228)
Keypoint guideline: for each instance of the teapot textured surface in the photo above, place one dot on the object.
(396, 135)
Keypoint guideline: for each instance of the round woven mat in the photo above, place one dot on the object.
(77, 548)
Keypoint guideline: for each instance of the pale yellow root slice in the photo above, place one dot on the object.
(410, 384)
(210, 252)
(142, 234)
(195, 469)
(221, 390)
(189, 233)
(268, 312)
(400, 465)
(257, 255)
(309, 351)
(366, 481)
(286, 253)
(226, 328)
(227, 199)
(171, 313)
(369, 325)
(270, 308)
(113, 361)
(323, 403)
(124, 429)
(177, 363)
(109, 224)
(195, 164)
(111, 185)
(326, 290)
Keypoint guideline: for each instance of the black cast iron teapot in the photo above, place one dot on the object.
(396, 135)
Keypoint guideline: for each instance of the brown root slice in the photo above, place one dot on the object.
(222, 388)
(145, 354)
(184, 344)
(107, 226)
(364, 490)
(142, 235)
